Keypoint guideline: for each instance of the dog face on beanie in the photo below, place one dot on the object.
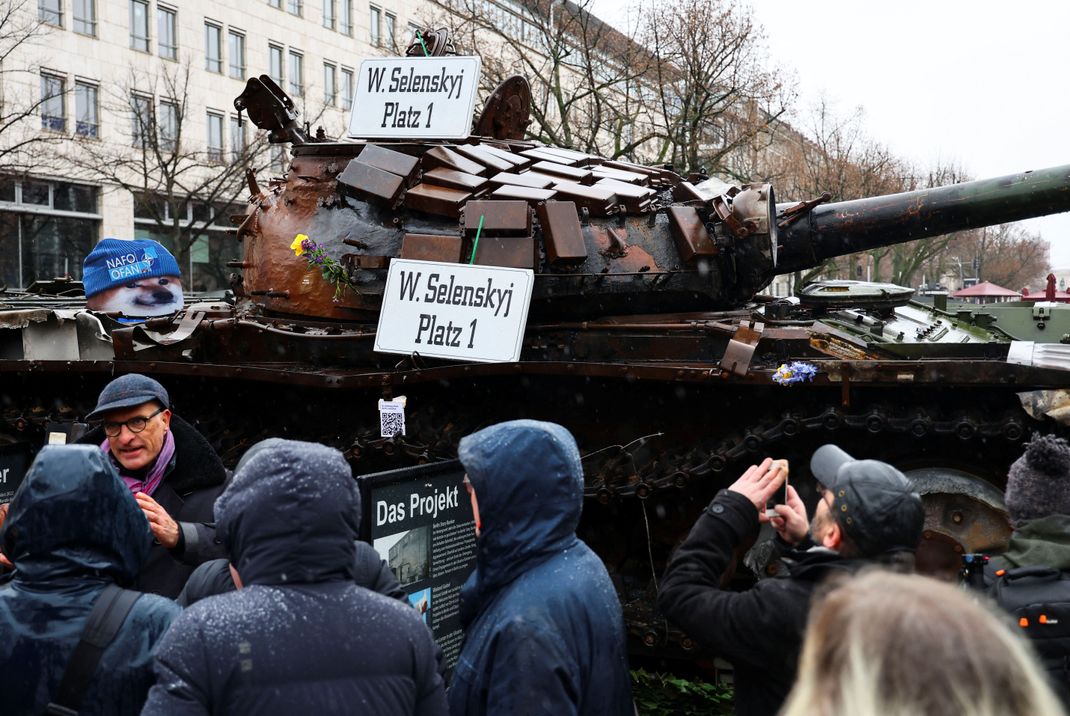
(136, 278)
(1038, 483)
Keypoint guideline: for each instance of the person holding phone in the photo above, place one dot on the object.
(867, 513)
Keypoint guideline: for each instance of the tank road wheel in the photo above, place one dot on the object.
(963, 513)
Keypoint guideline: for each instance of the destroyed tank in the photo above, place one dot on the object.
(646, 335)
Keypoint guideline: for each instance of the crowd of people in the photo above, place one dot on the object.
(143, 577)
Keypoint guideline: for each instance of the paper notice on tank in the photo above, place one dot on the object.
(415, 98)
(454, 311)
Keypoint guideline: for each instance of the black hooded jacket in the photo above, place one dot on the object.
(299, 637)
(73, 528)
(188, 491)
(760, 630)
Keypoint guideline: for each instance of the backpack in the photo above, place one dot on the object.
(1038, 598)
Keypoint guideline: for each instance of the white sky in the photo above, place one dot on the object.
(981, 84)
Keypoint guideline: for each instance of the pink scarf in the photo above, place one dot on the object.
(152, 479)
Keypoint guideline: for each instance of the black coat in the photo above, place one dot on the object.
(369, 571)
(760, 630)
(299, 637)
(188, 492)
(73, 529)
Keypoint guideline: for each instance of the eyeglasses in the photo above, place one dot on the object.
(135, 424)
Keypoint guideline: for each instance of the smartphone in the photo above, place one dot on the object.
(781, 495)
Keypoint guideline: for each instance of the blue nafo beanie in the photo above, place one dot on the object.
(114, 262)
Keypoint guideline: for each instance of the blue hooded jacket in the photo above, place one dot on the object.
(544, 631)
(299, 637)
(72, 529)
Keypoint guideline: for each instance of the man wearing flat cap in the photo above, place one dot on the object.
(867, 513)
(172, 471)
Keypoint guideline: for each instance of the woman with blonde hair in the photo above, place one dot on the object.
(903, 645)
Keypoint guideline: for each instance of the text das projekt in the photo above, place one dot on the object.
(419, 505)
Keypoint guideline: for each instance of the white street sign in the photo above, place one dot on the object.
(455, 311)
(415, 97)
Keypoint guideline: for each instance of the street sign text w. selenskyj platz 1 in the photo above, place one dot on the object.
(454, 311)
(415, 97)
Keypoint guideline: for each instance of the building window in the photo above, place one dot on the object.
(237, 137)
(328, 14)
(139, 25)
(275, 4)
(297, 74)
(206, 241)
(141, 119)
(373, 27)
(166, 24)
(236, 51)
(347, 89)
(215, 137)
(53, 106)
(46, 230)
(391, 31)
(345, 18)
(85, 17)
(275, 64)
(50, 12)
(330, 84)
(213, 48)
(167, 125)
(86, 122)
(293, 7)
(278, 158)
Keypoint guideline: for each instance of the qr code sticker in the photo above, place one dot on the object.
(391, 419)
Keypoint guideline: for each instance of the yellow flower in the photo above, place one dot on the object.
(298, 249)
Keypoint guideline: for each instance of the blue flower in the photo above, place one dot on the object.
(794, 372)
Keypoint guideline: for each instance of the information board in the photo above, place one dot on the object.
(456, 311)
(415, 97)
(14, 462)
(419, 519)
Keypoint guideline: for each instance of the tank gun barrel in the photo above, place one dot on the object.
(846, 227)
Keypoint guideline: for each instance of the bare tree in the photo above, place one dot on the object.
(183, 185)
(587, 78)
(1007, 255)
(717, 103)
(29, 102)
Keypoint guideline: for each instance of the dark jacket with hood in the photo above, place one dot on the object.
(299, 637)
(369, 571)
(73, 528)
(760, 630)
(544, 632)
(188, 491)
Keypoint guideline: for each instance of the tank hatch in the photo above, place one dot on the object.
(836, 294)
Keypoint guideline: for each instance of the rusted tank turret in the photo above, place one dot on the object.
(639, 239)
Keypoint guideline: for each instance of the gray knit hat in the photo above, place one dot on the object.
(1038, 483)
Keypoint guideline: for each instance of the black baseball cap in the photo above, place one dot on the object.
(127, 391)
(874, 503)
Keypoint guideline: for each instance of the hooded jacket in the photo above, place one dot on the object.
(299, 637)
(544, 632)
(189, 488)
(73, 528)
(760, 630)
